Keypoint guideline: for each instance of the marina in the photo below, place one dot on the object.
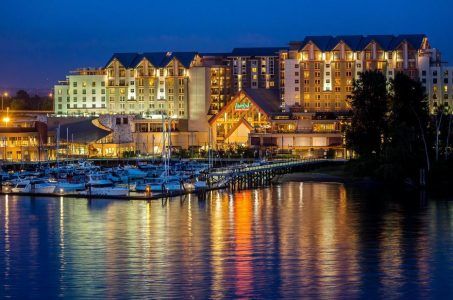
(146, 181)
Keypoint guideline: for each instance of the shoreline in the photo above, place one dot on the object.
(328, 178)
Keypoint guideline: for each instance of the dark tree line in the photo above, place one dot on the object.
(392, 131)
(23, 101)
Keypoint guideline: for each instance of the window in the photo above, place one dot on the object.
(84, 91)
(423, 73)
(118, 121)
(93, 99)
(125, 120)
(74, 84)
(93, 91)
(93, 84)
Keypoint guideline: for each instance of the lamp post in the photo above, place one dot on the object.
(4, 95)
(6, 119)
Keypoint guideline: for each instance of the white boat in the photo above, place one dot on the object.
(22, 187)
(109, 191)
(99, 180)
(44, 188)
(159, 185)
(35, 186)
(63, 187)
(134, 173)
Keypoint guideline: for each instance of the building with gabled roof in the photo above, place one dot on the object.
(318, 72)
(254, 118)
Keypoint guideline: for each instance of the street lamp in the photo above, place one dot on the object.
(4, 95)
(6, 119)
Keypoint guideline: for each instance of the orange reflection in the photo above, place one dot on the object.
(243, 249)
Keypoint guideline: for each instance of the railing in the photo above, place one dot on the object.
(272, 165)
(293, 131)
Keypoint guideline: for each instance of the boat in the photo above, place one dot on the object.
(22, 187)
(134, 173)
(99, 180)
(64, 187)
(109, 191)
(159, 185)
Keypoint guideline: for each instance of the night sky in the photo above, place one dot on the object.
(41, 40)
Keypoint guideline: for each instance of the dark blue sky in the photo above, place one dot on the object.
(41, 40)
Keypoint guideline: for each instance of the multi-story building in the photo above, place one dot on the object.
(23, 137)
(437, 78)
(219, 80)
(250, 94)
(148, 83)
(319, 71)
(83, 92)
(154, 83)
(254, 68)
(249, 67)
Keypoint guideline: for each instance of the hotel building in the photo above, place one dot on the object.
(83, 91)
(318, 72)
(293, 97)
(242, 68)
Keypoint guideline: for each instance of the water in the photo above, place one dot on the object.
(290, 241)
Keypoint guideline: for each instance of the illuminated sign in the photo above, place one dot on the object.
(242, 106)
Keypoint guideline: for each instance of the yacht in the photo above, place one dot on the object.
(160, 184)
(65, 187)
(36, 186)
(134, 173)
(99, 180)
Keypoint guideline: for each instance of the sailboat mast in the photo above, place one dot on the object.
(57, 145)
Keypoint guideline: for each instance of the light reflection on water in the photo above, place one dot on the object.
(289, 241)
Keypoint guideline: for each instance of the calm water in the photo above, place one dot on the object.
(290, 241)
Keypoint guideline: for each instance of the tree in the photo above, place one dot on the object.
(439, 113)
(447, 142)
(408, 121)
(369, 103)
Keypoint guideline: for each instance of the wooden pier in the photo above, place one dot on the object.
(254, 176)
